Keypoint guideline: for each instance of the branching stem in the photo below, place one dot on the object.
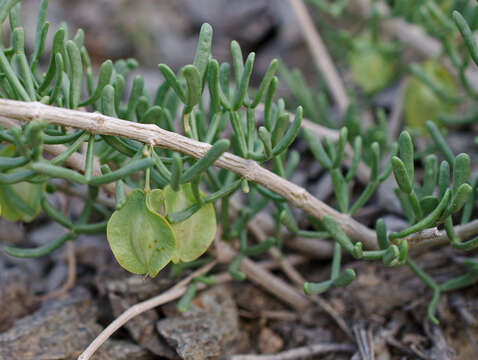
(155, 136)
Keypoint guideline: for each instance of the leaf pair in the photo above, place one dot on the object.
(143, 241)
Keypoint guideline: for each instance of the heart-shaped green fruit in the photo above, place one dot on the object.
(142, 240)
(195, 234)
(420, 102)
(20, 201)
(373, 64)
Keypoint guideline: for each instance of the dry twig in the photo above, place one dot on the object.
(265, 279)
(298, 280)
(248, 169)
(169, 295)
(301, 352)
(155, 136)
(433, 237)
(320, 54)
(409, 34)
(314, 248)
(365, 344)
(75, 161)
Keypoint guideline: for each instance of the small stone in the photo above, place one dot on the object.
(121, 350)
(58, 330)
(62, 329)
(269, 341)
(16, 299)
(125, 290)
(11, 233)
(142, 328)
(207, 329)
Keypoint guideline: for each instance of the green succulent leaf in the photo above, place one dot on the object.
(401, 175)
(428, 203)
(141, 239)
(203, 51)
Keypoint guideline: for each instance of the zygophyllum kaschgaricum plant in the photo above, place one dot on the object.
(172, 158)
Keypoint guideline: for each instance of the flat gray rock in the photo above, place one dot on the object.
(62, 329)
(58, 330)
(206, 329)
(16, 299)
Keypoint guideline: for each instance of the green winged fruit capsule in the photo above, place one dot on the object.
(195, 234)
(142, 241)
(20, 201)
(366, 57)
(420, 102)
